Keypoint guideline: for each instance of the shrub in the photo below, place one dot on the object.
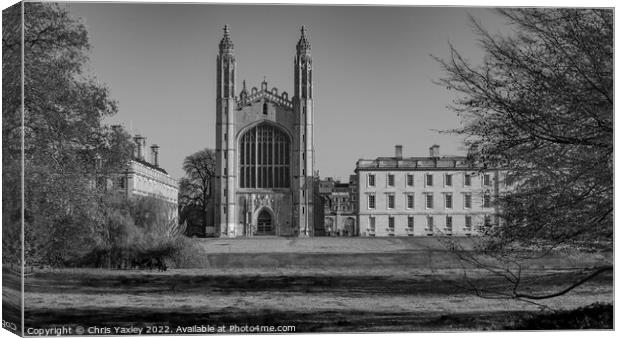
(187, 254)
(133, 231)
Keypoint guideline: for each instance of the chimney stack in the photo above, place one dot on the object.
(140, 151)
(398, 151)
(434, 151)
(155, 155)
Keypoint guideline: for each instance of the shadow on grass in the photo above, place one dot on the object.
(596, 316)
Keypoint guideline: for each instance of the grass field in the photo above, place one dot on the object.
(320, 289)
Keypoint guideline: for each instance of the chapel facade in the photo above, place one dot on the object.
(265, 151)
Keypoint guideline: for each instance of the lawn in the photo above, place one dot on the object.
(315, 291)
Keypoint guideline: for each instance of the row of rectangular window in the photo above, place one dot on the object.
(430, 223)
(428, 180)
(448, 201)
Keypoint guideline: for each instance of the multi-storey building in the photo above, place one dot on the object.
(339, 217)
(424, 196)
(264, 151)
(144, 177)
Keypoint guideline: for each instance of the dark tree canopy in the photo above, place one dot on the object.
(196, 188)
(541, 106)
(11, 135)
(66, 144)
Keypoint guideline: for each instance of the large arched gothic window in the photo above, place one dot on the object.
(264, 158)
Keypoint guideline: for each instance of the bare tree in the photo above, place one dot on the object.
(541, 106)
(197, 186)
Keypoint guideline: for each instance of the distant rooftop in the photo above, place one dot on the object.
(445, 162)
(397, 162)
(150, 165)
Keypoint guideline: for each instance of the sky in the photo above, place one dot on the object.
(374, 75)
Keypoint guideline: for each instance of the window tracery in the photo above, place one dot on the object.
(264, 160)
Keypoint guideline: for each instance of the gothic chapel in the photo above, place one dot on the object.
(265, 151)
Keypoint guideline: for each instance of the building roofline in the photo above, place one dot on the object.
(455, 163)
(149, 165)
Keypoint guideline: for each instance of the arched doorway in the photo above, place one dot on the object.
(264, 223)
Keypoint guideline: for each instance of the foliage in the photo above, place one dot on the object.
(196, 188)
(132, 229)
(187, 254)
(541, 106)
(154, 216)
(67, 148)
(11, 135)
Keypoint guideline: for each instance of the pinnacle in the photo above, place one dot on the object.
(226, 44)
(304, 42)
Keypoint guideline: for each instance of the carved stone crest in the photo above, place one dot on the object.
(262, 200)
